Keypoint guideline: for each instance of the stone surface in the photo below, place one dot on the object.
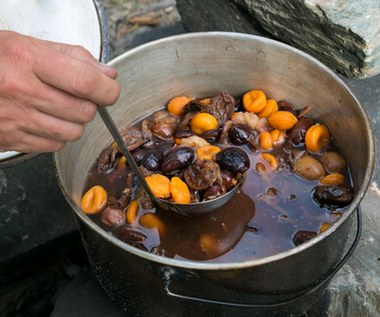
(344, 34)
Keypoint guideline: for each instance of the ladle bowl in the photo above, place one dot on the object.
(188, 210)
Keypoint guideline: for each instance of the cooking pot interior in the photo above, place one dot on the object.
(201, 65)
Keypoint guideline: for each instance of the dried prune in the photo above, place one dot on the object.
(239, 134)
(303, 236)
(129, 235)
(297, 133)
(178, 159)
(333, 196)
(152, 160)
(233, 160)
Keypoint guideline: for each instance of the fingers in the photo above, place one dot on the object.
(83, 55)
(81, 79)
(39, 132)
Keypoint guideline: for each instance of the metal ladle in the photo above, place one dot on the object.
(189, 210)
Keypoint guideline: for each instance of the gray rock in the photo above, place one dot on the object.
(343, 34)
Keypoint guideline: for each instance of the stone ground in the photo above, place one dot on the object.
(132, 22)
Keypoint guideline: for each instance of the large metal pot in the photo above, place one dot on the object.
(201, 64)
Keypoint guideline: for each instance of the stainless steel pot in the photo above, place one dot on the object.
(202, 64)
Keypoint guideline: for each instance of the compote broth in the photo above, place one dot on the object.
(262, 219)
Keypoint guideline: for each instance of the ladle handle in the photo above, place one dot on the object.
(167, 280)
(112, 128)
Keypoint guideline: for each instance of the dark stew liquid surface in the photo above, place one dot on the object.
(276, 208)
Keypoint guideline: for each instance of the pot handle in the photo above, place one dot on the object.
(169, 273)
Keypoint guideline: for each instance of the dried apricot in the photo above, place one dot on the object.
(203, 122)
(94, 200)
(209, 245)
(207, 152)
(282, 120)
(278, 136)
(150, 221)
(121, 163)
(270, 107)
(324, 227)
(333, 179)
(265, 140)
(317, 137)
(205, 101)
(254, 101)
(132, 211)
(271, 159)
(176, 104)
(159, 185)
(179, 191)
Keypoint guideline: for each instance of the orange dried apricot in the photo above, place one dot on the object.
(270, 107)
(159, 185)
(209, 245)
(207, 152)
(324, 227)
(317, 137)
(333, 179)
(132, 211)
(254, 101)
(203, 122)
(94, 200)
(205, 101)
(176, 104)
(282, 120)
(271, 159)
(278, 136)
(150, 221)
(265, 140)
(179, 191)
(121, 163)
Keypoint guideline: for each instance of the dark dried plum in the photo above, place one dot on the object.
(286, 106)
(303, 236)
(108, 159)
(201, 174)
(239, 134)
(297, 133)
(152, 160)
(233, 160)
(211, 135)
(129, 235)
(333, 196)
(177, 159)
(112, 217)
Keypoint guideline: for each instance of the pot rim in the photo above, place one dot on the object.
(190, 264)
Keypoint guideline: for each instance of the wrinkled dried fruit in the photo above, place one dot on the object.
(159, 185)
(203, 122)
(94, 200)
(233, 160)
(178, 159)
(254, 101)
(317, 137)
(239, 134)
(298, 132)
(179, 191)
(150, 221)
(176, 104)
(282, 120)
(152, 160)
(333, 179)
(207, 152)
(303, 236)
(132, 211)
(270, 107)
(333, 196)
(213, 192)
(201, 174)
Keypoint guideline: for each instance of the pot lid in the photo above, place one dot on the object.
(69, 21)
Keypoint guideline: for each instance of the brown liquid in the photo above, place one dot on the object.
(252, 225)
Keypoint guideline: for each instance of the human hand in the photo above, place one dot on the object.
(48, 92)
